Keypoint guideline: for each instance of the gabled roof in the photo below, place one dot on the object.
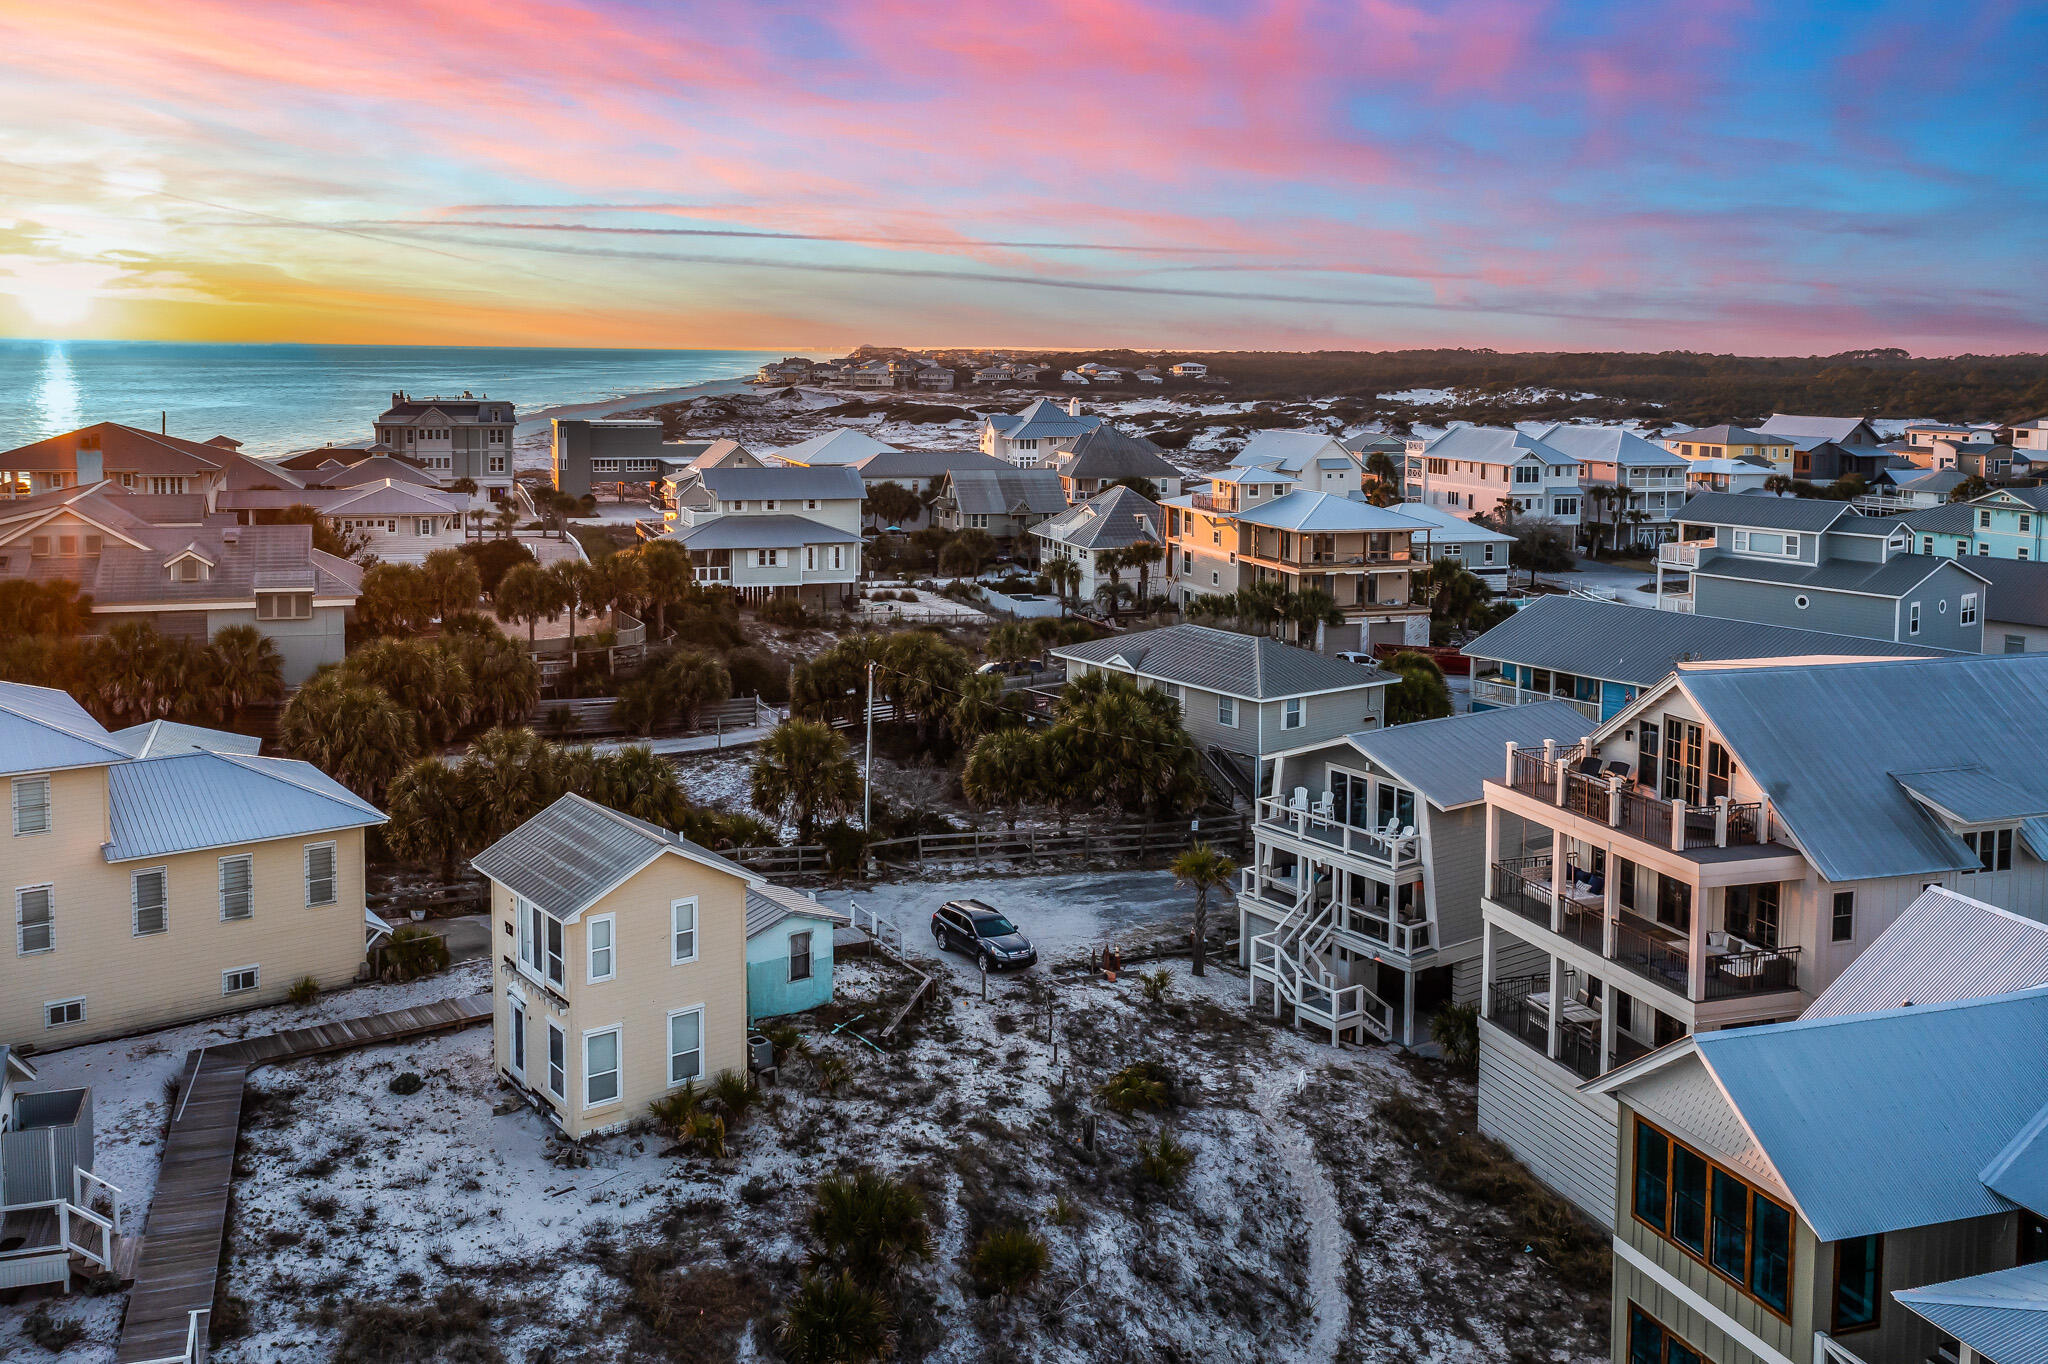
(1728, 435)
(1290, 451)
(2018, 594)
(1109, 520)
(1894, 577)
(925, 463)
(783, 482)
(161, 738)
(123, 449)
(1932, 1096)
(1810, 428)
(1303, 510)
(1970, 793)
(1494, 445)
(1108, 452)
(43, 729)
(777, 530)
(387, 498)
(1449, 760)
(1802, 731)
(1944, 947)
(1632, 644)
(574, 853)
(1252, 473)
(769, 904)
(1811, 515)
(1042, 419)
(1007, 492)
(1616, 445)
(2002, 1316)
(1250, 667)
(209, 800)
(1950, 518)
(842, 446)
(241, 555)
(1446, 526)
(375, 469)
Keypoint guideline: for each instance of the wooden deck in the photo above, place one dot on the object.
(181, 1243)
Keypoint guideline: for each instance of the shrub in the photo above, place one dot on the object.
(829, 1070)
(835, 1321)
(1455, 1030)
(1007, 1260)
(868, 1223)
(1142, 1085)
(452, 1329)
(414, 952)
(1163, 1162)
(756, 672)
(785, 611)
(407, 1082)
(733, 1092)
(703, 1134)
(304, 991)
(1157, 985)
(672, 1111)
(54, 1333)
(1065, 1211)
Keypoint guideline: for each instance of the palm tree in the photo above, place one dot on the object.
(355, 734)
(512, 775)
(621, 583)
(1260, 604)
(1382, 493)
(428, 681)
(503, 682)
(1112, 562)
(1778, 484)
(666, 566)
(921, 675)
(1002, 771)
(247, 669)
(1506, 510)
(978, 709)
(433, 816)
(1454, 595)
(507, 520)
(452, 581)
(126, 670)
(833, 1320)
(1205, 869)
(1141, 555)
(574, 584)
(802, 770)
(692, 681)
(1065, 577)
(869, 1224)
(1310, 610)
(527, 593)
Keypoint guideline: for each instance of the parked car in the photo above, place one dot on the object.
(1029, 667)
(981, 931)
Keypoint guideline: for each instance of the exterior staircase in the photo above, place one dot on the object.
(1295, 960)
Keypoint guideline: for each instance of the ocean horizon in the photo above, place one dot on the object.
(281, 396)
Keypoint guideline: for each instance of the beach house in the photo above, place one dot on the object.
(1494, 472)
(469, 436)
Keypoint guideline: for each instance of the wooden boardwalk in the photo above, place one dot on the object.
(181, 1242)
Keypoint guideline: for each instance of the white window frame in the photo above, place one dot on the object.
(252, 971)
(1913, 618)
(591, 975)
(1226, 711)
(249, 860)
(53, 1004)
(333, 873)
(49, 926)
(163, 875)
(617, 1033)
(1969, 608)
(558, 1071)
(515, 1036)
(810, 957)
(1293, 713)
(676, 931)
(21, 784)
(673, 1015)
(538, 961)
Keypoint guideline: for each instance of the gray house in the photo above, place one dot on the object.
(1819, 565)
(46, 1182)
(1360, 909)
(1008, 504)
(1243, 697)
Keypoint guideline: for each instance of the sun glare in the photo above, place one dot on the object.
(56, 294)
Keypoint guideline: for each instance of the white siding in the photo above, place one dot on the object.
(1533, 1106)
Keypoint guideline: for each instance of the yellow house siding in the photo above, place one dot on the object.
(645, 988)
(132, 983)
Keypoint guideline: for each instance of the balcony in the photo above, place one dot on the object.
(1406, 934)
(1521, 1005)
(1318, 823)
(1680, 602)
(1576, 783)
(1495, 690)
(1683, 554)
(1746, 970)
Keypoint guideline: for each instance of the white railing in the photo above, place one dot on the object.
(1493, 691)
(75, 1228)
(887, 934)
(1682, 553)
(1321, 825)
(195, 1341)
(1676, 601)
(1829, 1351)
(80, 1177)
(1290, 957)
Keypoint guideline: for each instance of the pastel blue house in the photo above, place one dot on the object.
(789, 951)
(2005, 523)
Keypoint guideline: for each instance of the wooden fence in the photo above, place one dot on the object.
(597, 715)
(1138, 839)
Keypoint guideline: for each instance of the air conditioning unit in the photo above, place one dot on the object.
(760, 1053)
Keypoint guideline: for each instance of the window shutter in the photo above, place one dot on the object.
(151, 895)
(320, 874)
(32, 805)
(34, 918)
(237, 897)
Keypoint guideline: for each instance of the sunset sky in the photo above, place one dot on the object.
(1769, 178)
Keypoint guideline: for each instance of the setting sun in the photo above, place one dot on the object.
(57, 293)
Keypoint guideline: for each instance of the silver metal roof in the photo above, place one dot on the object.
(1638, 646)
(777, 530)
(1928, 1095)
(1970, 793)
(1449, 760)
(214, 800)
(1944, 947)
(1495, 445)
(571, 854)
(1252, 667)
(1894, 577)
(1305, 511)
(162, 738)
(732, 483)
(2002, 1316)
(1804, 733)
(2018, 594)
(1111, 452)
(769, 904)
(1290, 451)
(1007, 492)
(43, 729)
(1109, 520)
(1616, 445)
(1809, 514)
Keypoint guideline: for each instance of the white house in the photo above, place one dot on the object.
(1189, 369)
(1482, 550)
(1473, 470)
(1027, 439)
(1631, 485)
(786, 531)
(1109, 521)
(1316, 461)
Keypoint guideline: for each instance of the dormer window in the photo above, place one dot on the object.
(189, 569)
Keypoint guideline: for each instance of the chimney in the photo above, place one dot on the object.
(91, 468)
(1073, 407)
(230, 535)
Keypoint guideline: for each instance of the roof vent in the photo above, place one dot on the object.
(231, 535)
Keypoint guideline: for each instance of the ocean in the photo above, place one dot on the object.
(280, 398)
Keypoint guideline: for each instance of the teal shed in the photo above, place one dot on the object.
(789, 951)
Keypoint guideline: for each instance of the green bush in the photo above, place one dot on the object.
(1156, 984)
(407, 1082)
(1007, 1260)
(785, 611)
(414, 952)
(53, 1333)
(1455, 1030)
(304, 991)
(833, 1320)
(1144, 1086)
(1163, 1162)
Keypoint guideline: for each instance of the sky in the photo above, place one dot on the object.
(1764, 178)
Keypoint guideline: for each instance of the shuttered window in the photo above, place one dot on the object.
(35, 919)
(151, 891)
(319, 874)
(237, 887)
(31, 805)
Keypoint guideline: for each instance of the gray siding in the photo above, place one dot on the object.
(1323, 718)
(1772, 604)
(1457, 871)
(1533, 1107)
(305, 645)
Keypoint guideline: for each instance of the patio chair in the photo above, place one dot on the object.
(1298, 802)
(1620, 769)
(1326, 808)
(1589, 766)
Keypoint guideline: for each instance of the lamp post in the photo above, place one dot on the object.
(867, 767)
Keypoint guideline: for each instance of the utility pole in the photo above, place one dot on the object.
(867, 767)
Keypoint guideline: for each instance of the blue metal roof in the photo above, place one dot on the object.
(1944, 947)
(2002, 1316)
(210, 800)
(1803, 732)
(1928, 1095)
(1972, 794)
(2020, 1171)
(43, 729)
